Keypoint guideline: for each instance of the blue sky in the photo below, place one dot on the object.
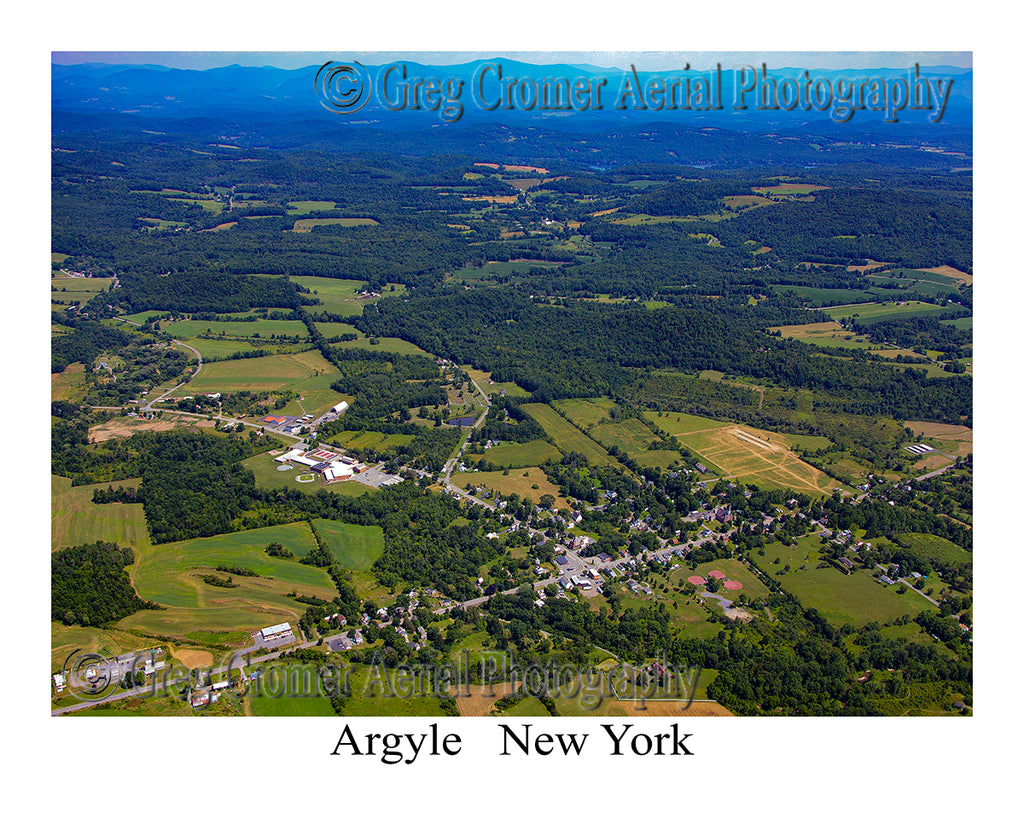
(644, 60)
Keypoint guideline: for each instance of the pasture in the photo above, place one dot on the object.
(567, 437)
(171, 574)
(75, 519)
(857, 599)
(66, 639)
(354, 547)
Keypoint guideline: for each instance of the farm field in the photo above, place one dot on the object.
(261, 328)
(825, 334)
(301, 372)
(520, 482)
(933, 546)
(585, 412)
(857, 599)
(213, 348)
(170, 574)
(747, 454)
(75, 289)
(951, 438)
(567, 437)
(119, 427)
(307, 225)
(76, 520)
(378, 441)
(354, 547)
(309, 206)
(631, 436)
(871, 313)
(381, 345)
(532, 453)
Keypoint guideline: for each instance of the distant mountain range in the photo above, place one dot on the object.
(238, 93)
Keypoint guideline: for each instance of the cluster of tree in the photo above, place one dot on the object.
(86, 340)
(89, 585)
(321, 554)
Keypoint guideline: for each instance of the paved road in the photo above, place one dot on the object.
(121, 694)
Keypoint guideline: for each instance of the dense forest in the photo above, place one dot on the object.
(89, 586)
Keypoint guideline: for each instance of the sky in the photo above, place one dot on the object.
(644, 59)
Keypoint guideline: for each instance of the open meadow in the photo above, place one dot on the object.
(76, 520)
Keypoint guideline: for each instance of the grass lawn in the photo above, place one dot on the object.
(268, 477)
(75, 519)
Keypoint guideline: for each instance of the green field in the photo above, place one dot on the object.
(354, 547)
(219, 348)
(306, 225)
(166, 573)
(631, 436)
(872, 313)
(75, 519)
(170, 574)
(307, 373)
(567, 437)
(336, 295)
(532, 453)
(381, 345)
(75, 289)
(679, 423)
(260, 328)
(585, 412)
(310, 206)
(378, 441)
(933, 546)
(857, 599)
